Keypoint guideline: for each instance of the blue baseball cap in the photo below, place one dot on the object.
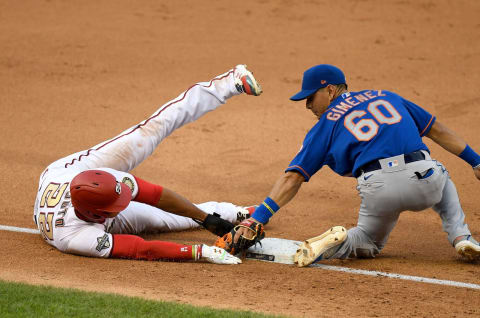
(319, 77)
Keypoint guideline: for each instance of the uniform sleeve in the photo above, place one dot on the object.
(90, 241)
(423, 119)
(311, 156)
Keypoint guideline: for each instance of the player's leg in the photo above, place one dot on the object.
(125, 151)
(383, 200)
(370, 235)
(451, 213)
(142, 218)
(453, 223)
(380, 209)
(375, 222)
(384, 196)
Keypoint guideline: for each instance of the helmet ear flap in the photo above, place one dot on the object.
(97, 195)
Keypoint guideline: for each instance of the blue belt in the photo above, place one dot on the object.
(375, 164)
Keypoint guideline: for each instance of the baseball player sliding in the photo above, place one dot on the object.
(89, 204)
(374, 136)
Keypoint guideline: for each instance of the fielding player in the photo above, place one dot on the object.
(374, 136)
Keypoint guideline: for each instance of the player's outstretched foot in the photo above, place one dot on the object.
(217, 255)
(244, 212)
(320, 247)
(468, 248)
(245, 82)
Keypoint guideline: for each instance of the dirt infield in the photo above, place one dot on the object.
(73, 74)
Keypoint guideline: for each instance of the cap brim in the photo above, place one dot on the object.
(303, 94)
(122, 202)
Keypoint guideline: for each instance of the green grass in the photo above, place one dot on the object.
(22, 300)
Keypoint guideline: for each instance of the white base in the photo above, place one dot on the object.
(274, 250)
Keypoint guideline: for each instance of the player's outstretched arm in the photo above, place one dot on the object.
(286, 187)
(175, 203)
(172, 202)
(476, 171)
(446, 138)
(453, 143)
(283, 191)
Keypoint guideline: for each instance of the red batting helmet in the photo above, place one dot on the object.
(97, 195)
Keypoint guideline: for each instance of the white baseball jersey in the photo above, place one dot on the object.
(53, 211)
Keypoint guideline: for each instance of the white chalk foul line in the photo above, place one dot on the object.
(326, 267)
(397, 276)
(18, 229)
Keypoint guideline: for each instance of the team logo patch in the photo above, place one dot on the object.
(103, 242)
(129, 183)
(393, 163)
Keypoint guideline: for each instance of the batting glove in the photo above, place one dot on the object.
(217, 255)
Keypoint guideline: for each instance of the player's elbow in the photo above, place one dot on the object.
(293, 178)
(437, 131)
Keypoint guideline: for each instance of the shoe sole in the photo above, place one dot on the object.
(249, 84)
(468, 250)
(252, 87)
(242, 217)
(315, 248)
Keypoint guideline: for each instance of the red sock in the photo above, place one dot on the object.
(134, 247)
(148, 193)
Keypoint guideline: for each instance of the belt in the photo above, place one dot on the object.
(375, 164)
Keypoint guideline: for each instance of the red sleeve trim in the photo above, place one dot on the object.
(300, 169)
(148, 193)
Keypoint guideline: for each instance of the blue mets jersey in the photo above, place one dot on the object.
(359, 127)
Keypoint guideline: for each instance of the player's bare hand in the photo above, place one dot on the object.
(477, 172)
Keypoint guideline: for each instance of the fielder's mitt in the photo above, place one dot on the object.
(215, 224)
(255, 234)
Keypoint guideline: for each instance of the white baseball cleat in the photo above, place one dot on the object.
(245, 82)
(468, 249)
(217, 255)
(320, 247)
(244, 212)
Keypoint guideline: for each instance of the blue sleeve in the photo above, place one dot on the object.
(423, 119)
(313, 153)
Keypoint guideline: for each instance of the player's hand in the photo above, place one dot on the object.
(245, 232)
(217, 255)
(477, 172)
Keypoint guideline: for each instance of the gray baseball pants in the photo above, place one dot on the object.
(387, 192)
